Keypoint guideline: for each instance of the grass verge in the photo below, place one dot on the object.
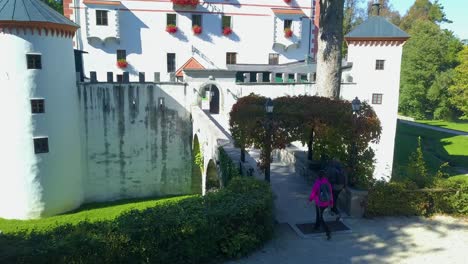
(460, 125)
(94, 212)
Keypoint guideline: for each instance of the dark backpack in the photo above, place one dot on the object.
(325, 195)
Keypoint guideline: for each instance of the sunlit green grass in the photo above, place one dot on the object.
(460, 125)
(438, 147)
(90, 213)
(459, 178)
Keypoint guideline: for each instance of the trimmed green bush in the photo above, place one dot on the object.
(231, 222)
(403, 198)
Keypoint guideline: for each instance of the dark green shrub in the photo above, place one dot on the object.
(404, 198)
(228, 223)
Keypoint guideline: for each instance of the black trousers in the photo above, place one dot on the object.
(319, 218)
(336, 193)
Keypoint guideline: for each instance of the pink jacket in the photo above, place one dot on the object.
(314, 195)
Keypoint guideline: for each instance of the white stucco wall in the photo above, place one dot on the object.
(49, 183)
(387, 82)
(135, 148)
(142, 34)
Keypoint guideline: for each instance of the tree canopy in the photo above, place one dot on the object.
(427, 55)
(57, 5)
(459, 89)
(296, 118)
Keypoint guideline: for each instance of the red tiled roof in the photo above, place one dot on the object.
(192, 64)
(285, 11)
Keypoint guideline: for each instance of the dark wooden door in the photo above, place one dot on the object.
(214, 102)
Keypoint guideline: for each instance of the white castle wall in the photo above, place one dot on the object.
(133, 146)
(387, 82)
(142, 34)
(49, 183)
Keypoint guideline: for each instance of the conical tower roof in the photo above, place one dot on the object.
(33, 14)
(377, 27)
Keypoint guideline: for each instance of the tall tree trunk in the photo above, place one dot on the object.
(330, 39)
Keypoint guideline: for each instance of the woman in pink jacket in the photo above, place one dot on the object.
(322, 194)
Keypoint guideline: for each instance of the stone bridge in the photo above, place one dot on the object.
(209, 136)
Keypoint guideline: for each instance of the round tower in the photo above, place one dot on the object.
(40, 169)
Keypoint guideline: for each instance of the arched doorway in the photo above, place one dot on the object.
(214, 99)
(212, 179)
(197, 167)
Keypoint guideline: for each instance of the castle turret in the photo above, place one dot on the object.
(40, 169)
(375, 49)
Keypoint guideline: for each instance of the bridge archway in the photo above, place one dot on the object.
(197, 167)
(214, 92)
(212, 178)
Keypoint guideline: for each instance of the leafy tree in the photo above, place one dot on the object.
(427, 54)
(386, 10)
(424, 10)
(57, 5)
(459, 90)
(330, 40)
(295, 117)
(438, 96)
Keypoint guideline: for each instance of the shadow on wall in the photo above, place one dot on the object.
(130, 35)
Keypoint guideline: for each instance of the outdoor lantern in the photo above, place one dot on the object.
(356, 103)
(269, 106)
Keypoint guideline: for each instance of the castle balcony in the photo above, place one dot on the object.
(102, 20)
(287, 20)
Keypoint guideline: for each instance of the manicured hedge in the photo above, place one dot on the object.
(403, 198)
(225, 224)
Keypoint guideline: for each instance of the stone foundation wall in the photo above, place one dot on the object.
(137, 140)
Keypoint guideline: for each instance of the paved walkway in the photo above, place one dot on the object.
(446, 130)
(380, 240)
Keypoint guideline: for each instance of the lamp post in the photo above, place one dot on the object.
(268, 128)
(356, 105)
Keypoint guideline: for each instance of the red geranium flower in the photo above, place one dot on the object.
(186, 2)
(197, 30)
(227, 31)
(122, 63)
(288, 33)
(171, 28)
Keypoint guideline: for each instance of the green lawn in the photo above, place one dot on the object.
(438, 147)
(459, 177)
(91, 213)
(460, 125)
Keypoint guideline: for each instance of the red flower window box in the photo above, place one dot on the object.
(192, 3)
(288, 33)
(122, 63)
(227, 31)
(171, 29)
(197, 30)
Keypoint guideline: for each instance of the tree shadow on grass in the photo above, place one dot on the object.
(434, 144)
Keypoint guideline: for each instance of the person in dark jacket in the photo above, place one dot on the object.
(338, 179)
